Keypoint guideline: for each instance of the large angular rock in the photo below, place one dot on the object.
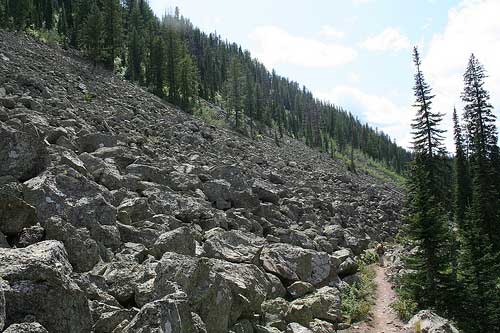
(324, 304)
(39, 284)
(217, 192)
(91, 142)
(180, 241)
(22, 154)
(170, 314)
(234, 246)
(265, 192)
(26, 328)
(297, 328)
(15, 215)
(293, 263)
(64, 192)
(429, 322)
(83, 251)
(123, 279)
(249, 286)
(209, 294)
(148, 173)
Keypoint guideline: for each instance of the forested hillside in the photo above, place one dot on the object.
(181, 64)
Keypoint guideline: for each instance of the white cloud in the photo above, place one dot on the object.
(472, 27)
(273, 46)
(361, 2)
(391, 39)
(378, 111)
(354, 77)
(330, 32)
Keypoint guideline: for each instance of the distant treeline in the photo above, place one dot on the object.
(180, 63)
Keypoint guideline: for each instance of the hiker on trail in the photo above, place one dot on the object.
(380, 253)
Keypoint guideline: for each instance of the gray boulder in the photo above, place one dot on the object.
(217, 192)
(265, 192)
(297, 328)
(234, 246)
(30, 236)
(324, 304)
(91, 142)
(15, 215)
(22, 154)
(83, 251)
(169, 314)
(293, 263)
(180, 241)
(429, 322)
(26, 328)
(39, 285)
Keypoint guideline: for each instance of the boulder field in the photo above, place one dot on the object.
(121, 213)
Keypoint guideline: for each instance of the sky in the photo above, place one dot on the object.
(358, 53)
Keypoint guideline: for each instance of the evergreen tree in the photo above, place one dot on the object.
(173, 50)
(462, 188)
(62, 25)
(112, 30)
(479, 261)
(158, 62)
(188, 78)
(93, 33)
(234, 91)
(482, 135)
(48, 14)
(427, 220)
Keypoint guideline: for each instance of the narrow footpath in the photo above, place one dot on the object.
(383, 318)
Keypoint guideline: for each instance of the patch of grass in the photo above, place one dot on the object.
(404, 307)
(50, 37)
(369, 257)
(208, 115)
(357, 299)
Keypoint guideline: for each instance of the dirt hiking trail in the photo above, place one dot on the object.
(383, 318)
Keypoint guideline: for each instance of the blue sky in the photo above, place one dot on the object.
(357, 53)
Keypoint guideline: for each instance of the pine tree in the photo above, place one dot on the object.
(48, 14)
(158, 63)
(93, 33)
(428, 223)
(19, 11)
(62, 25)
(188, 77)
(479, 260)
(482, 135)
(135, 44)
(112, 30)
(234, 90)
(173, 55)
(462, 188)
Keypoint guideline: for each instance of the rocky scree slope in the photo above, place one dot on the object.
(120, 213)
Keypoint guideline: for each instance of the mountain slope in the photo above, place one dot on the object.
(121, 213)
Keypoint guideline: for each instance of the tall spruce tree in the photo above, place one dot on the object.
(482, 136)
(427, 219)
(93, 33)
(462, 186)
(479, 260)
(113, 30)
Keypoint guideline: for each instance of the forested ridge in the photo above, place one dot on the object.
(181, 64)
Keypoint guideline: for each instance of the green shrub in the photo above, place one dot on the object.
(405, 308)
(357, 299)
(369, 257)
